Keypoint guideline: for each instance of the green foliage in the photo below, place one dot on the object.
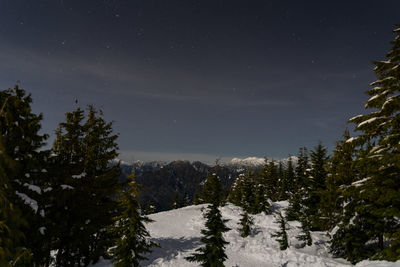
(281, 235)
(213, 251)
(212, 254)
(84, 188)
(23, 167)
(305, 234)
(212, 190)
(375, 193)
(132, 238)
(245, 223)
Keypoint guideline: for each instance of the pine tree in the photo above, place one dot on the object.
(300, 187)
(132, 238)
(11, 222)
(315, 184)
(283, 183)
(26, 179)
(379, 208)
(245, 223)
(289, 176)
(84, 188)
(213, 251)
(212, 254)
(150, 209)
(212, 190)
(235, 196)
(281, 235)
(341, 174)
(305, 234)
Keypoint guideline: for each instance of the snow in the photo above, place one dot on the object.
(178, 233)
(248, 161)
(360, 182)
(351, 139)
(367, 121)
(42, 229)
(83, 174)
(29, 201)
(34, 188)
(65, 186)
(355, 117)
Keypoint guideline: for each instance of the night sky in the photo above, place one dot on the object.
(200, 79)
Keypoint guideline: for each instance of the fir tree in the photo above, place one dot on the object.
(314, 185)
(281, 235)
(212, 190)
(213, 251)
(305, 234)
(377, 209)
(132, 238)
(150, 209)
(27, 175)
(245, 223)
(289, 176)
(300, 187)
(12, 253)
(341, 174)
(85, 187)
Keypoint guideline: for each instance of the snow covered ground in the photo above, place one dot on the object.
(178, 233)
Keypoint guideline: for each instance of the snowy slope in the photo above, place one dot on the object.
(178, 233)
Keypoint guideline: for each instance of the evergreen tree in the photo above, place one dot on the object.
(305, 234)
(289, 176)
(150, 209)
(341, 174)
(283, 183)
(26, 177)
(212, 190)
(245, 223)
(270, 179)
(212, 254)
(84, 188)
(11, 222)
(176, 201)
(235, 196)
(213, 251)
(132, 238)
(314, 185)
(300, 187)
(378, 208)
(281, 235)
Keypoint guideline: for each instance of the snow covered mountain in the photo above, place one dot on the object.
(178, 233)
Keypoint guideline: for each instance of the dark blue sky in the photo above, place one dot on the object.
(199, 79)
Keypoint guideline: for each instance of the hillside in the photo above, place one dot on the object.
(178, 233)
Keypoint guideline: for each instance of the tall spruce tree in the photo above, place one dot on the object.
(378, 192)
(341, 173)
(289, 176)
(315, 184)
(85, 187)
(12, 251)
(300, 186)
(27, 176)
(131, 237)
(213, 251)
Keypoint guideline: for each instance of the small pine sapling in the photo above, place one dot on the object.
(246, 223)
(281, 235)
